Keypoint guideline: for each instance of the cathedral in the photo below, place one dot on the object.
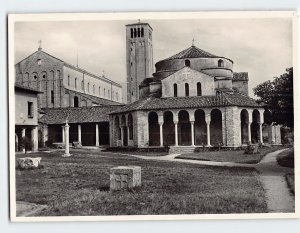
(193, 98)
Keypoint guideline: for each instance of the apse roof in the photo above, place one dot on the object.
(191, 52)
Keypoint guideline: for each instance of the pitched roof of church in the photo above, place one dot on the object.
(76, 115)
(221, 100)
(95, 99)
(191, 52)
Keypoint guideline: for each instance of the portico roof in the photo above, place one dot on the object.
(77, 115)
(222, 99)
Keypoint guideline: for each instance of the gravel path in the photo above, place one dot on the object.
(279, 198)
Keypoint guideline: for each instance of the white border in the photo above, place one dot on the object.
(146, 16)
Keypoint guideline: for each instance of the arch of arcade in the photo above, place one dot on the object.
(216, 126)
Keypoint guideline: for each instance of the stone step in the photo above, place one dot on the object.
(181, 149)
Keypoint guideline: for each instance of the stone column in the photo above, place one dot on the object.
(208, 132)
(79, 133)
(122, 136)
(128, 134)
(260, 133)
(176, 132)
(63, 133)
(207, 119)
(192, 133)
(249, 126)
(23, 133)
(161, 136)
(67, 149)
(97, 135)
(249, 132)
(34, 138)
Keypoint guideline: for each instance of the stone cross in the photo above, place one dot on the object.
(40, 44)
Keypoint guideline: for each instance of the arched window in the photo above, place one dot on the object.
(187, 63)
(99, 90)
(82, 85)
(94, 88)
(199, 91)
(175, 89)
(76, 102)
(117, 95)
(68, 80)
(134, 32)
(139, 32)
(88, 86)
(131, 32)
(76, 83)
(187, 90)
(142, 32)
(220, 63)
(104, 92)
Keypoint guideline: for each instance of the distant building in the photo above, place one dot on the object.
(64, 85)
(26, 118)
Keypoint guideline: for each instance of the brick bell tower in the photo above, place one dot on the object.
(139, 57)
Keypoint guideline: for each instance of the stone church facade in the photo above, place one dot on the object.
(194, 98)
(64, 85)
(68, 92)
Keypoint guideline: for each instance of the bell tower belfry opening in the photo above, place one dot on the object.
(139, 57)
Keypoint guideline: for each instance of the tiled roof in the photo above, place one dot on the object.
(191, 52)
(19, 86)
(95, 99)
(241, 76)
(77, 115)
(220, 100)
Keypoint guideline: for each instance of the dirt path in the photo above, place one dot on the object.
(279, 198)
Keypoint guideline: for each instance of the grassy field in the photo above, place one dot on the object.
(79, 185)
(229, 156)
(286, 158)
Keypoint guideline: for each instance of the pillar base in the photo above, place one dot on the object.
(66, 155)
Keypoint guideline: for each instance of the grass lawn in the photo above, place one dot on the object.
(290, 179)
(286, 158)
(79, 185)
(229, 156)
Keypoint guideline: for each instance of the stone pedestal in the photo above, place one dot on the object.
(125, 177)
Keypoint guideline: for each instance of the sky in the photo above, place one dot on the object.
(261, 47)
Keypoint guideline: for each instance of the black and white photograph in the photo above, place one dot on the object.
(152, 116)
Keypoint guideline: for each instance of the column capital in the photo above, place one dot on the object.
(175, 122)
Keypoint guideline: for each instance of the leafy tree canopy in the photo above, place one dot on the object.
(278, 97)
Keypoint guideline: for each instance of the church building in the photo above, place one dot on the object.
(68, 92)
(194, 98)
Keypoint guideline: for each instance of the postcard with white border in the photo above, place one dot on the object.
(153, 116)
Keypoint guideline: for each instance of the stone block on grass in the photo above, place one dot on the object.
(28, 162)
(125, 177)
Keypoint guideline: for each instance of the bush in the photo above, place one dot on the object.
(252, 149)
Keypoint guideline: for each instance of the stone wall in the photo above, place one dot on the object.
(241, 86)
(192, 77)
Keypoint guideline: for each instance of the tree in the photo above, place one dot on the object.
(278, 97)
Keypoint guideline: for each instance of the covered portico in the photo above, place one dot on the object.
(223, 126)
